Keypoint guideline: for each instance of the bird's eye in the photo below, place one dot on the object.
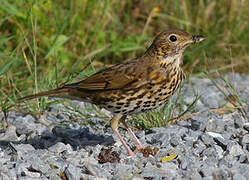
(173, 38)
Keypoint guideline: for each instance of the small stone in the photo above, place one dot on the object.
(72, 172)
(96, 170)
(235, 150)
(183, 163)
(198, 122)
(219, 151)
(9, 135)
(174, 141)
(243, 158)
(195, 176)
(40, 166)
(191, 136)
(207, 139)
(24, 148)
(221, 174)
(215, 135)
(124, 171)
(238, 177)
(215, 123)
(199, 147)
(238, 121)
(157, 138)
(207, 171)
(245, 139)
(54, 176)
(221, 142)
(60, 147)
(30, 174)
(209, 152)
(209, 98)
(25, 125)
(246, 126)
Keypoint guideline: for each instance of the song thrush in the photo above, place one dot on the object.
(136, 85)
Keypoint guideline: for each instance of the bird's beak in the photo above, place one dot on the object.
(193, 39)
(197, 38)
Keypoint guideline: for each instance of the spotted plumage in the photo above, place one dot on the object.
(136, 85)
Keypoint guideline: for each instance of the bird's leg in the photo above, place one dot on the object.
(138, 143)
(114, 125)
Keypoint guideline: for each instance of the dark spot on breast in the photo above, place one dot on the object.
(139, 102)
(146, 105)
(147, 102)
(135, 108)
(141, 95)
(166, 93)
(150, 85)
(174, 89)
(117, 111)
(120, 98)
(150, 96)
(109, 106)
(126, 105)
(174, 73)
(165, 98)
(131, 111)
(163, 86)
(131, 99)
(118, 107)
(172, 85)
(120, 103)
(102, 100)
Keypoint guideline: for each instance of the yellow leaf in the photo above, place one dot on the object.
(169, 158)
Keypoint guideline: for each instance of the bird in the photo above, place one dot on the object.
(136, 85)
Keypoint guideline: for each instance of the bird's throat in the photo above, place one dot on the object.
(171, 60)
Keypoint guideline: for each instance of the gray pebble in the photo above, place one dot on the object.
(174, 141)
(238, 120)
(207, 139)
(245, 139)
(238, 177)
(198, 122)
(246, 126)
(72, 172)
(25, 125)
(221, 174)
(235, 150)
(221, 142)
(60, 147)
(209, 98)
(9, 134)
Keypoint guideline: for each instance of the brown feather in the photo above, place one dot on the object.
(59, 92)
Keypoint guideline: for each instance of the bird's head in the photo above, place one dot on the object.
(172, 43)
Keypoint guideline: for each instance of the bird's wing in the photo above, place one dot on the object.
(129, 75)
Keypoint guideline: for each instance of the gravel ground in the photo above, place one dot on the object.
(213, 144)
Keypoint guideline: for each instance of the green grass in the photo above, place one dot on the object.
(45, 43)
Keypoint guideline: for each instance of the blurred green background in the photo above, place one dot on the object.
(48, 42)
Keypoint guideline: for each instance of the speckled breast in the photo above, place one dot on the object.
(147, 97)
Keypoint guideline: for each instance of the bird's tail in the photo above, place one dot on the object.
(59, 92)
